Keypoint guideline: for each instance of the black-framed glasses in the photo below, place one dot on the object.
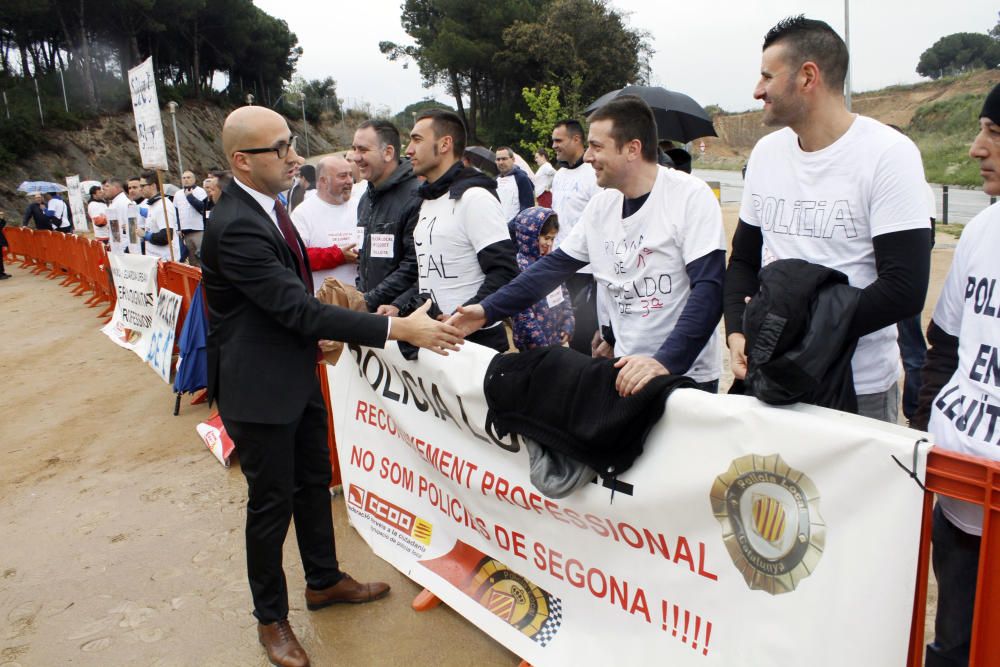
(281, 150)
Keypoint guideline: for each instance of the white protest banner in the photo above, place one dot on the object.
(744, 535)
(161, 335)
(146, 107)
(76, 203)
(135, 287)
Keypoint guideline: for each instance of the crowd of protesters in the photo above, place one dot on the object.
(615, 255)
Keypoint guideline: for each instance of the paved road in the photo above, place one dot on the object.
(963, 204)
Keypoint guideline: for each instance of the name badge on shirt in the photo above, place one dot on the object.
(555, 297)
(342, 239)
(359, 237)
(382, 245)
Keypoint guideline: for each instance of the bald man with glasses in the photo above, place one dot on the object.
(264, 330)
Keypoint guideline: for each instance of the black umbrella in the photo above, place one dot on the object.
(678, 117)
(482, 158)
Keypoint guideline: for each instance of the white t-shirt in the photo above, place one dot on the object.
(120, 211)
(155, 222)
(826, 206)
(190, 218)
(572, 189)
(543, 178)
(94, 210)
(510, 201)
(639, 262)
(447, 237)
(322, 225)
(57, 208)
(965, 415)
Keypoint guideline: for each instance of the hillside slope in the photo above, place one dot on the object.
(107, 147)
(896, 105)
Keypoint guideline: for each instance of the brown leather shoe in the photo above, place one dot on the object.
(283, 649)
(345, 590)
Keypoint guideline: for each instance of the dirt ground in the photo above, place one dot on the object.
(122, 537)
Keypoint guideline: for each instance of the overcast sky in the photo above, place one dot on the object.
(711, 54)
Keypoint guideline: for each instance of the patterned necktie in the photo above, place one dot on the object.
(288, 231)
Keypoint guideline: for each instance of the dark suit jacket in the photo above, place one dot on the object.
(263, 322)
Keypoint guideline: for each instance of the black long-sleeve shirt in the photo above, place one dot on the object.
(902, 262)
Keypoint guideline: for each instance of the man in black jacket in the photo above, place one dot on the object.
(264, 325)
(387, 261)
(36, 213)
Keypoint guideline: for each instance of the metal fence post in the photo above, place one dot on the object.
(5, 105)
(944, 205)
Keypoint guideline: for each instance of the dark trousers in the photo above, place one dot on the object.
(287, 467)
(955, 558)
(913, 349)
(583, 297)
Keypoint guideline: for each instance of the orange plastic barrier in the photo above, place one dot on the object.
(977, 481)
(324, 386)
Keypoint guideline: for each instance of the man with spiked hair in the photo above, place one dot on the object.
(836, 189)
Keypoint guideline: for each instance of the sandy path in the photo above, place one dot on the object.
(122, 537)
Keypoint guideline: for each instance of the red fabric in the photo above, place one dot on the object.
(545, 199)
(293, 241)
(325, 258)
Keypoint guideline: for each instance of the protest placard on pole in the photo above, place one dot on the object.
(117, 236)
(149, 130)
(76, 203)
(146, 107)
(132, 230)
(161, 335)
(135, 286)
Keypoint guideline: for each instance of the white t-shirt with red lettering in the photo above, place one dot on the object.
(640, 262)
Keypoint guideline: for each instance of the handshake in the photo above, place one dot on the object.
(424, 328)
(439, 335)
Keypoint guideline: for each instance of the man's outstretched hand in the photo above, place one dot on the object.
(635, 373)
(421, 330)
(468, 319)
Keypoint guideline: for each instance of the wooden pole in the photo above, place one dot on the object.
(166, 215)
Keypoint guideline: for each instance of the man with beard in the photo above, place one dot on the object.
(835, 189)
(264, 328)
(464, 250)
(387, 214)
(327, 223)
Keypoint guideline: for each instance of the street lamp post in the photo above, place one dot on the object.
(847, 41)
(305, 126)
(172, 108)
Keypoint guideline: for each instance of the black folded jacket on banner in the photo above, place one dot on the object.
(567, 402)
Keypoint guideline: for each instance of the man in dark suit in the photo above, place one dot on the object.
(264, 326)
